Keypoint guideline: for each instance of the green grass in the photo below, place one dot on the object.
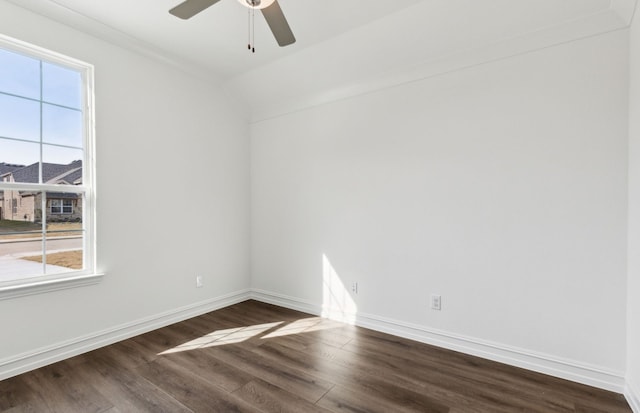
(19, 230)
(18, 226)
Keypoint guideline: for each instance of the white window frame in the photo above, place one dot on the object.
(89, 275)
(61, 206)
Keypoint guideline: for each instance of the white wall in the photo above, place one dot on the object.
(633, 294)
(501, 187)
(172, 179)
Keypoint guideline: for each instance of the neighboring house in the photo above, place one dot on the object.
(4, 169)
(27, 205)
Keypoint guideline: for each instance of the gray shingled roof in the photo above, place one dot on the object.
(72, 176)
(29, 174)
(8, 167)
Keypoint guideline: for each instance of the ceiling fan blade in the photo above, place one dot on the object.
(190, 8)
(278, 24)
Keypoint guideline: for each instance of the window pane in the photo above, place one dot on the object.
(61, 126)
(65, 233)
(62, 165)
(63, 156)
(15, 155)
(61, 86)
(20, 236)
(55, 206)
(19, 75)
(19, 118)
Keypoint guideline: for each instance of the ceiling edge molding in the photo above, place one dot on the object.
(603, 22)
(625, 9)
(51, 10)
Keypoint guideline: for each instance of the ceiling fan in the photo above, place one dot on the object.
(270, 10)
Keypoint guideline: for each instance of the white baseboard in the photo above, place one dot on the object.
(285, 301)
(554, 366)
(632, 394)
(22, 363)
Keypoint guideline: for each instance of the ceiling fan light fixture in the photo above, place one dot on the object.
(270, 10)
(256, 4)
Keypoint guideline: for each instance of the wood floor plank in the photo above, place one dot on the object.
(479, 385)
(352, 376)
(129, 392)
(296, 382)
(618, 406)
(212, 370)
(273, 399)
(17, 396)
(342, 399)
(158, 341)
(62, 390)
(13, 393)
(29, 407)
(256, 357)
(127, 354)
(191, 390)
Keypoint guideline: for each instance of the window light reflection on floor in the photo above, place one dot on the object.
(305, 325)
(241, 334)
(222, 337)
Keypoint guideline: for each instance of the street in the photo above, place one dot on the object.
(23, 248)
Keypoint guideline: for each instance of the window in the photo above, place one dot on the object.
(61, 206)
(46, 165)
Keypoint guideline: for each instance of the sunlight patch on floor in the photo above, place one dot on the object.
(241, 334)
(223, 337)
(305, 325)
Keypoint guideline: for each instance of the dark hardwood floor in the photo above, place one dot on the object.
(254, 357)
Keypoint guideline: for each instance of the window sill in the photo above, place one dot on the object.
(38, 286)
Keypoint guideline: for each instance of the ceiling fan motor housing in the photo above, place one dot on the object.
(256, 4)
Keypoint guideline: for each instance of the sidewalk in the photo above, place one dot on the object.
(13, 268)
(11, 241)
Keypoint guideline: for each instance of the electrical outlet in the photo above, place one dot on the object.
(354, 287)
(199, 281)
(436, 302)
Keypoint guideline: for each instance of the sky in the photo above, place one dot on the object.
(57, 119)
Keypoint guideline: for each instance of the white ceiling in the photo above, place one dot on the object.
(216, 39)
(343, 47)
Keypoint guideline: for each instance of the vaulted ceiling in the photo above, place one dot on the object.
(344, 47)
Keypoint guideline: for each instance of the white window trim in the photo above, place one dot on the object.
(90, 275)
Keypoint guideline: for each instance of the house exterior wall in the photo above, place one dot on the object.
(28, 208)
(24, 208)
(4, 206)
(76, 215)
